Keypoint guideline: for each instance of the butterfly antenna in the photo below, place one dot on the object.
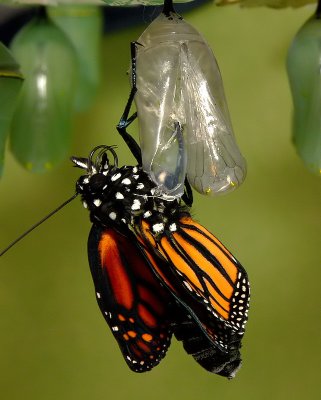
(37, 224)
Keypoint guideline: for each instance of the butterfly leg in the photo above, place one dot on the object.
(125, 121)
(168, 7)
(188, 194)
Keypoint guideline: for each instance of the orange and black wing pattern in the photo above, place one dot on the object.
(135, 306)
(204, 275)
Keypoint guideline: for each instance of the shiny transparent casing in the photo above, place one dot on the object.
(184, 123)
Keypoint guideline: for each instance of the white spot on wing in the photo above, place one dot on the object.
(157, 228)
(188, 286)
(173, 227)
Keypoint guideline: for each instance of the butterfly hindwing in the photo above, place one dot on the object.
(131, 300)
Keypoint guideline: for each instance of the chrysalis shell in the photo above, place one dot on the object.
(179, 82)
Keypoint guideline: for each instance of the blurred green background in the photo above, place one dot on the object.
(54, 342)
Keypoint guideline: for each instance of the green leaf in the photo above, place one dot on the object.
(10, 84)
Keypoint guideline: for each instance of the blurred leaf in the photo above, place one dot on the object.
(266, 3)
(10, 84)
(92, 2)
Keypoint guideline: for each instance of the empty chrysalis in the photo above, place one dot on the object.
(184, 123)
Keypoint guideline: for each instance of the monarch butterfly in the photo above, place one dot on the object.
(179, 82)
(156, 271)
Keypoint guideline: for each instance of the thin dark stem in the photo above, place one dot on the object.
(37, 224)
(41, 12)
(318, 11)
(168, 7)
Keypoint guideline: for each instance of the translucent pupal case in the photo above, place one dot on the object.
(184, 123)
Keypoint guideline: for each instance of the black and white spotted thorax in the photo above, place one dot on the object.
(118, 196)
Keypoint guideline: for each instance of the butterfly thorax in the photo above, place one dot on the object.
(124, 196)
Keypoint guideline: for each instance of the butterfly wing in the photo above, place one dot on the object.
(131, 300)
(213, 345)
(204, 275)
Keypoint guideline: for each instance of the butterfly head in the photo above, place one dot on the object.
(120, 195)
(98, 160)
(101, 160)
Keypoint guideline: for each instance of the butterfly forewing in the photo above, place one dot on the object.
(221, 281)
(135, 306)
(204, 276)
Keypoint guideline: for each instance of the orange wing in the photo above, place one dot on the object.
(204, 275)
(135, 306)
